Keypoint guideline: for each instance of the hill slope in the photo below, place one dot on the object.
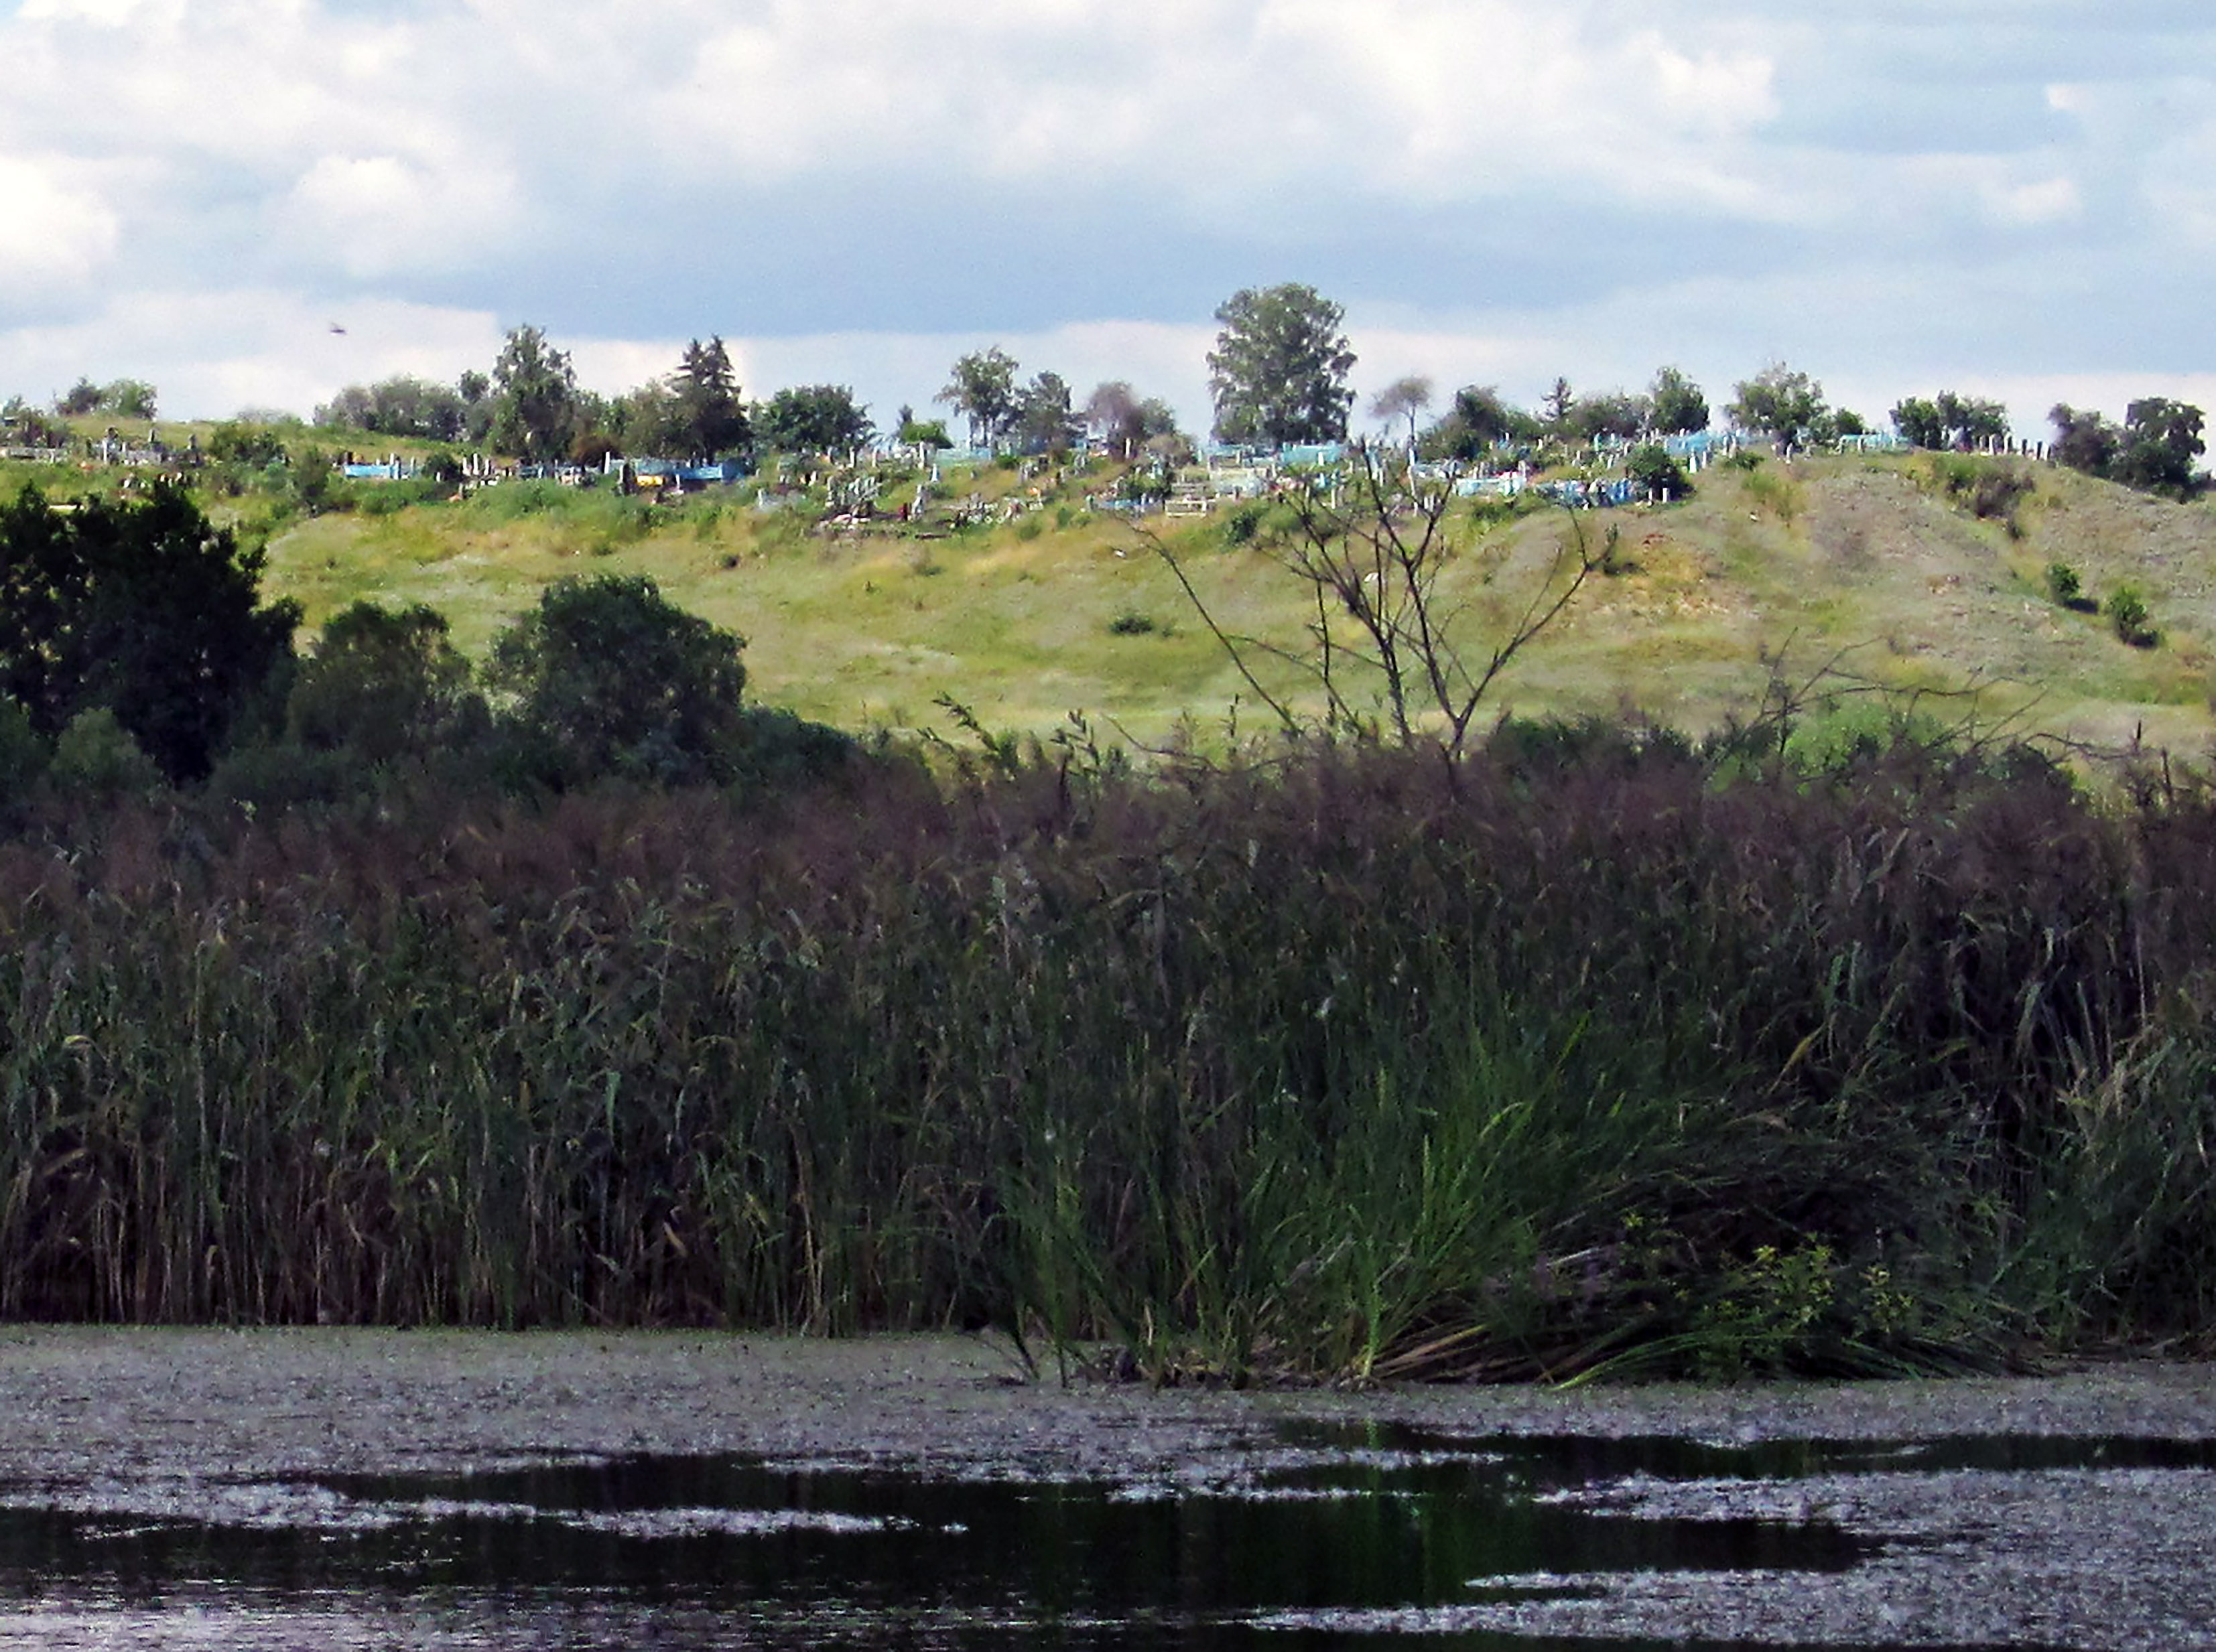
(1872, 562)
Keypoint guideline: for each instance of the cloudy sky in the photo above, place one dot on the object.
(2011, 196)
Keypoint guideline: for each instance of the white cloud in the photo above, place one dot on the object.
(375, 215)
(51, 230)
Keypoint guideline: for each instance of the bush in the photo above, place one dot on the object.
(2128, 611)
(1653, 469)
(96, 759)
(606, 678)
(2064, 584)
(1132, 622)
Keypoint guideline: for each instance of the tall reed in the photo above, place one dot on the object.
(1335, 1061)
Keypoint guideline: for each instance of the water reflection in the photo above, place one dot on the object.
(1338, 1539)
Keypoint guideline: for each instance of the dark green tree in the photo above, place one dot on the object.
(382, 684)
(2161, 440)
(535, 413)
(1278, 372)
(983, 391)
(143, 607)
(607, 678)
(2084, 440)
(1677, 408)
(1045, 422)
(1949, 420)
(813, 419)
(1478, 420)
(711, 422)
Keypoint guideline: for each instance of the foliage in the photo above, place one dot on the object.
(708, 421)
(143, 608)
(1044, 423)
(1277, 373)
(2126, 610)
(606, 678)
(1949, 420)
(1478, 420)
(2161, 439)
(1675, 403)
(2063, 584)
(1612, 414)
(237, 442)
(2155, 449)
(1125, 422)
(1654, 468)
(535, 411)
(382, 684)
(1778, 402)
(402, 406)
(983, 391)
(813, 419)
(127, 398)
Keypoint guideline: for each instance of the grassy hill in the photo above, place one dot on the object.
(1881, 564)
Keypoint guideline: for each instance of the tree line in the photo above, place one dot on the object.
(1279, 374)
(136, 650)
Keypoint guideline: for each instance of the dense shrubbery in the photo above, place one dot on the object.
(1582, 1053)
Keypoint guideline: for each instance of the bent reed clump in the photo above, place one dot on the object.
(1589, 1053)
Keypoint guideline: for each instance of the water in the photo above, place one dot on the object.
(1336, 1538)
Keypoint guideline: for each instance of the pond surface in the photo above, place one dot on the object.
(1334, 1535)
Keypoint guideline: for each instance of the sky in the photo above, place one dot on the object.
(2008, 198)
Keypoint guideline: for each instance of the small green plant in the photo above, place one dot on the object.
(2064, 584)
(2128, 611)
(1132, 622)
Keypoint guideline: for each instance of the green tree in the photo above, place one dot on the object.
(1478, 420)
(1949, 420)
(1779, 403)
(1616, 414)
(535, 413)
(1045, 421)
(81, 398)
(129, 398)
(813, 419)
(983, 391)
(1677, 406)
(2161, 440)
(144, 607)
(1278, 372)
(606, 678)
(2084, 440)
(382, 683)
(711, 423)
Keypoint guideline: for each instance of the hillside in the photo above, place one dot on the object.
(1872, 556)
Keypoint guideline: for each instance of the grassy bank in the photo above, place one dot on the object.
(1587, 1053)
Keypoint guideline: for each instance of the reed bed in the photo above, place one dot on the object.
(1341, 1062)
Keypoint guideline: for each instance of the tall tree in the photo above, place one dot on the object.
(2162, 438)
(1949, 420)
(1677, 408)
(815, 418)
(983, 391)
(1044, 423)
(1277, 373)
(143, 608)
(1780, 402)
(535, 412)
(709, 420)
(1116, 413)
